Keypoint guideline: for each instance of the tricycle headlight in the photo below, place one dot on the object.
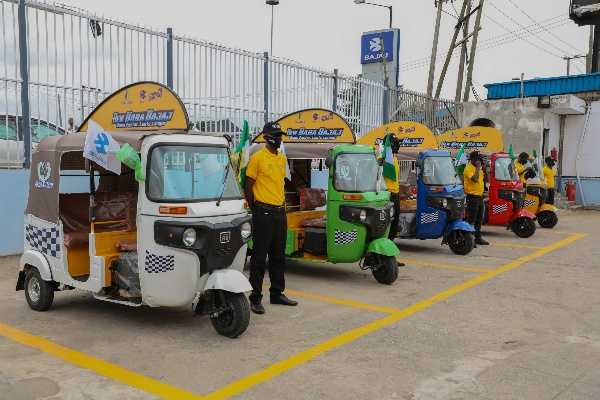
(189, 237)
(246, 230)
(363, 215)
(392, 212)
(444, 203)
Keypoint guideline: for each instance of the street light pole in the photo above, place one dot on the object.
(272, 3)
(390, 8)
(568, 60)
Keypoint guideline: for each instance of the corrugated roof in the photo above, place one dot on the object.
(544, 86)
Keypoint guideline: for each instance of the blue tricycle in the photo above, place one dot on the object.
(440, 202)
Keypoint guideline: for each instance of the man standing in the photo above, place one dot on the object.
(473, 183)
(393, 186)
(549, 178)
(265, 195)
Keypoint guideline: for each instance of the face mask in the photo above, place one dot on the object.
(275, 142)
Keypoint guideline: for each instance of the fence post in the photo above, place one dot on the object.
(266, 86)
(170, 58)
(335, 89)
(24, 64)
(386, 105)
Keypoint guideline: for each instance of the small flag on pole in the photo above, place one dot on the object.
(100, 147)
(288, 174)
(511, 153)
(461, 160)
(243, 152)
(389, 171)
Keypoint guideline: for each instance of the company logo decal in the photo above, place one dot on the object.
(44, 170)
(142, 119)
(457, 145)
(376, 44)
(314, 134)
(225, 237)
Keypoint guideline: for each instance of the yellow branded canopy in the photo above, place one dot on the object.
(314, 125)
(142, 106)
(484, 139)
(413, 136)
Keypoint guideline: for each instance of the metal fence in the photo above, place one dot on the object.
(76, 59)
(439, 115)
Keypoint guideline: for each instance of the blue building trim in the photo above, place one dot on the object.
(14, 200)
(544, 86)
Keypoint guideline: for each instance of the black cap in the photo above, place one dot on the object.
(474, 155)
(272, 129)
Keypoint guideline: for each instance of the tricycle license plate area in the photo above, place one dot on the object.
(454, 206)
(216, 244)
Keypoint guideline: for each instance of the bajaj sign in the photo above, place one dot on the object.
(376, 47)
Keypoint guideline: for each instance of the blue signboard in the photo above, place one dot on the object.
(377, 46)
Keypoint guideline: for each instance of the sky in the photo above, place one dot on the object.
(326, 33)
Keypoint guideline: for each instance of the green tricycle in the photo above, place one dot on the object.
(337, 207)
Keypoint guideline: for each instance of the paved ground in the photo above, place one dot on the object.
(516, 320)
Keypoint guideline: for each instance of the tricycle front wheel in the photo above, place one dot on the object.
(38, 292)
(523, 227)
(386, 270)
(234, 319)
(461, 242)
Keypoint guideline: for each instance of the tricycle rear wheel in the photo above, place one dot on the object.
(461, 242)
(523, 227)
(235, 318)
(386, 270)
(547, 219)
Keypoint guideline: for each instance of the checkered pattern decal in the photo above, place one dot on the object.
(342, 237)
(428, 218)
(45, 240)
(155, 264)
(529, 202)
(499, 208)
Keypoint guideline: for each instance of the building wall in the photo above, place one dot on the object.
(520, 120)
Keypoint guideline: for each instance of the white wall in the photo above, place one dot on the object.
(589, 148)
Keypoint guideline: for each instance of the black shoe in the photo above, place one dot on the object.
(481, 242)
(283, 300)
(257, 308)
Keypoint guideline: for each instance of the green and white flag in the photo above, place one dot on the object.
(511, 152)
(389, 171)
(243, 152)
(461, 160)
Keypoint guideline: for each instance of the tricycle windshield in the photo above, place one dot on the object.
(504, 169)
(357, 172)
(439, 170)
(190, 173)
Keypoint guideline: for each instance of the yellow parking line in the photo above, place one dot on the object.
(343, 302)
(516, 245)
(302, 357)
(165, 391)
(97, 365)
(452, 267)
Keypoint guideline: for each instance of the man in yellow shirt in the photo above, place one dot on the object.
(523, 170)
(549, 177)
(265, 175)
(393, 186)
(473, 184)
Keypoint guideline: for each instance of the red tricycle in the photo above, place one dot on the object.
(505, 203)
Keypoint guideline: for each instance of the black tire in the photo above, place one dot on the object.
(38, 292)
(523, 227)
(235, 320)
(547, 219)
(387, 271)
(461, 242)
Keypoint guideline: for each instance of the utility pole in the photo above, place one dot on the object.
(588, 67)
(568, 60)
(461, 19)
(596, 49)
(436, 36)
(463, 54)
(473, 52)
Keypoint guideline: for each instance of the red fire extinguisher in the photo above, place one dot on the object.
(571, 190)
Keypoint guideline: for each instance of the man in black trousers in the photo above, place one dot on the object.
(265, 194)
